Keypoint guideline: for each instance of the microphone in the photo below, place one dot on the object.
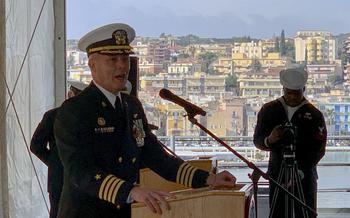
(189, 107)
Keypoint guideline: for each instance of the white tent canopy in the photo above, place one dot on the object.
(32, 81)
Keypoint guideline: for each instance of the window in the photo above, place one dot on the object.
(337, 108)
(185, 41)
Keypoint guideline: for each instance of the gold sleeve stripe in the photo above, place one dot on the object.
(111, 189)
(179, 172)
(191, 177)
(187, 175)
(183, 174)
(115, 191)
(100, 193)
(107, 188)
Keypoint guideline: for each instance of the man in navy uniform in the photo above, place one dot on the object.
(44, 147)
(310, 137)
(103, 137)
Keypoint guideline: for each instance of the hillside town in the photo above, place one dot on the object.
(232, 78)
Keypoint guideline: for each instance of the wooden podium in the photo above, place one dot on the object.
(204, 203)
(150, 179)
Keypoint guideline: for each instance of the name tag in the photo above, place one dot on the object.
(104, 129)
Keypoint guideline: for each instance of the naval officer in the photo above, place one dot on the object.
(103, 137)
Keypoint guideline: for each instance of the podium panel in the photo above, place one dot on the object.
(150, 179)
(203, 203)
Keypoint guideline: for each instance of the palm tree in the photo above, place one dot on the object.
(330, 119)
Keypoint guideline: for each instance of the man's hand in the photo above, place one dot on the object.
(152, 199)
(275, 135)
(223, 179)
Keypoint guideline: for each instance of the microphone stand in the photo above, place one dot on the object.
(257, 173)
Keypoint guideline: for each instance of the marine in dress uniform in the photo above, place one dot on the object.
(103, 137)
(44, 147)
(311, 136)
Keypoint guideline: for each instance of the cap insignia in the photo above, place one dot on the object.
(121, 37)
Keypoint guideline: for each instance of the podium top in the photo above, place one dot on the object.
(240, 190)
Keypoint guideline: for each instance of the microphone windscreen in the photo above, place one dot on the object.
(164, 93)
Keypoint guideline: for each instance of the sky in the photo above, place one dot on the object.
(210, 18)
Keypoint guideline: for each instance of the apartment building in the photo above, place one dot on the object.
(194, 50)
(315, 47)
(152, 54)
(336, 110)
(259, 85)
(253, 49)
(347, 48)
(184, 67)
(197, 84)
(248, 49)
(223, 65)
(321, 76)
(246, 55)
(76, 58)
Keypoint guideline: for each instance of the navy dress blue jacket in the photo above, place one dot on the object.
(102, 151)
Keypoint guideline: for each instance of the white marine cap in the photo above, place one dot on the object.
(294, 78)
(77, 84)
(114, 38)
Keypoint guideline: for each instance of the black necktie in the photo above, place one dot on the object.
(120, 112)
(118, 107)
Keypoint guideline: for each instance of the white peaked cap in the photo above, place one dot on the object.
(293, 79)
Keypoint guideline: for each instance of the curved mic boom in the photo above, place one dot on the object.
(190, 108)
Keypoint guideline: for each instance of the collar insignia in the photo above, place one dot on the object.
(98, 177)
(307, 115)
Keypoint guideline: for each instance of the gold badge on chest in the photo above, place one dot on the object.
(101, 121)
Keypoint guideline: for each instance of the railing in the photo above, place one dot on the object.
(188, 147)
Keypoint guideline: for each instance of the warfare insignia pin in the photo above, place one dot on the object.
(139, 132)
(104, 104)
(101, 121)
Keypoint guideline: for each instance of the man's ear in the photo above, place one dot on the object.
(91, 63)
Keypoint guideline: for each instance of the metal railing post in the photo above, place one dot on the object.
(172, 143)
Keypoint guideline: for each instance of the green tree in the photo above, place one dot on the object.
(277, 44)
(329, 117)
(334, 79)
(182, 56)
(283, 44)
(290, 49)
(230, 82)
(207, 59)
(243, 39)
(188, 40)
(344, 58)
